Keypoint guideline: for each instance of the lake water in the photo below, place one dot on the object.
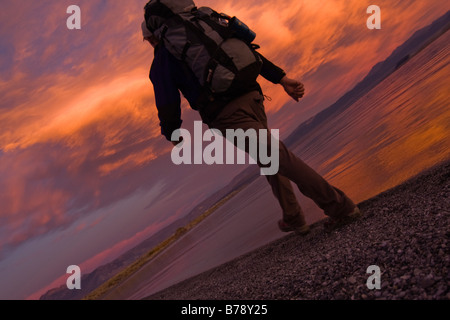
(397, 130)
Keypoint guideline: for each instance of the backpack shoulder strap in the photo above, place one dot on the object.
(212, 18)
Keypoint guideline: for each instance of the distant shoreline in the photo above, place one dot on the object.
(127, 272)
(405, 231)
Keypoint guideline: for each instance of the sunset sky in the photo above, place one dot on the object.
(85, 174)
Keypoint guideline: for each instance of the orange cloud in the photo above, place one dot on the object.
(303, 36)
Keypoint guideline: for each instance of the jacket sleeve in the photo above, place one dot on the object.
(167, 95)
(270, 71)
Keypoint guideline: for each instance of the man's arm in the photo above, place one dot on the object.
(276, 75)
(270, 71)
(167, 95)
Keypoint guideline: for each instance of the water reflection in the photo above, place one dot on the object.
(399, 129)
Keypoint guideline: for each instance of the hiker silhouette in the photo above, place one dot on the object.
(201, 54)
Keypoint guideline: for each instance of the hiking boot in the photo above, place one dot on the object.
(334, 223)
(300, 229)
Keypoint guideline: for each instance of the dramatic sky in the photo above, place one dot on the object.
(84, 172)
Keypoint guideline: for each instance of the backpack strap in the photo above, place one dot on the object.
(224, 32)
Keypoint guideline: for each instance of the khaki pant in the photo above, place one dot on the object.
(247, 112)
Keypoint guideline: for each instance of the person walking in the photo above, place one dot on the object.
(245, 110)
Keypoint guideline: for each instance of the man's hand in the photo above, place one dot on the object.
(293, 88)
(175, 143)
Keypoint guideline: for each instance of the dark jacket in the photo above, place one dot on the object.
(170, 77)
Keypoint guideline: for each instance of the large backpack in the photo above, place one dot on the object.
(223, 60)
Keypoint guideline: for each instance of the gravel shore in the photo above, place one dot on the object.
(404, 231)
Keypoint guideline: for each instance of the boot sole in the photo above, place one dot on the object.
(299, 231)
